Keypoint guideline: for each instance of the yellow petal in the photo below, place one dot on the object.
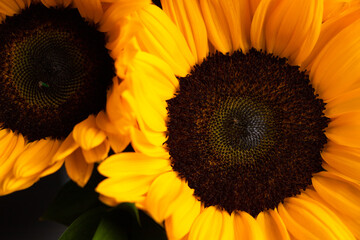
(345, 129)
(77, 168)
(153, 83)
(108, 200)
(35, 158)
(253, 6)
(351, 223)
(345, 160)
(335, 69)
(67, 147)
(142, 145)
(306, 219)
(129, 188)
(118, 133)
(227, 23)
(12, 184)
(246, 227)
(52, 168)
(121, 41)
(11, 146)
(90, 9)
(227, 231)
(346, 103)
(162, 192)
(287, 28)
(207, 225)
(118, 143)
(2, 17)
(119, 116)
(87, 134)
(187, 17)
(162, 38)
(272, 225)
(339, 193)
(133, 164)
(120, 9)
(186, 208)
(9, 8)
(331, 28)
(333, 8)
(56, 3)
(97, 154)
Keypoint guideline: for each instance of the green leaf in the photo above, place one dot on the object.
(112, 228)
(125, 222)
(149, 229)
(118, 223)
(129, 208)
(72, 201)
(84, 227)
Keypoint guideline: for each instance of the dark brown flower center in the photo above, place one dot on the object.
(246, 131)
(55, 71)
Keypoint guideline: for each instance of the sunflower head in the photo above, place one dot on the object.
(244, 126)
(55, 71)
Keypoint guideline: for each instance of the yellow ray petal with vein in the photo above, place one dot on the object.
(36, 157)
(67, 147)
(346, 103)
(345, 160)
(77, 168)
(52, 168)
(153, 83)
(306, 219)
(187, 16)
(272, 225)
(97, 153)
(133, 164)
(9, 8)
(119, 9)
(119, 117)
(345, 129)
(276, 25)
(339, 193)
(11, 146)
(247, 228)
(90, 9)
(161, 196)
(207, 225)
(331, 28)
(217, 27)
(118, 133)
(336, 68)
(12, 183)
(253, 6)
(332, 220)
(228, 24)
(162, 38)
(125, 189)
(351, 223)
(56, 3)
(186, 210)
(87, 134)
(333, 8)
(142, 145)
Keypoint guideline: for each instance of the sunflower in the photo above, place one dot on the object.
(59, 59)
(247, 120)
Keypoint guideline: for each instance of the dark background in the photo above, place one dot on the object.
(20, 212)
